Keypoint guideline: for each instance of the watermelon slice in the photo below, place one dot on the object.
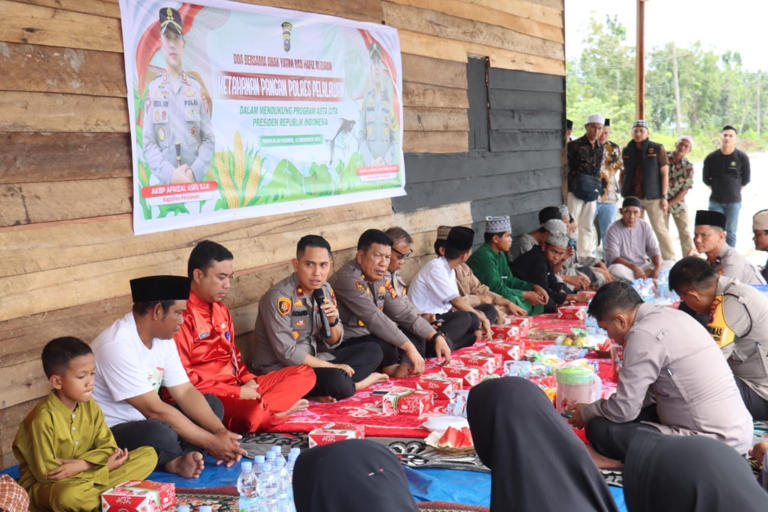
(456, 438)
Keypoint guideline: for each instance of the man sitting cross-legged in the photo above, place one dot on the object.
(206, 345)
(291, 329)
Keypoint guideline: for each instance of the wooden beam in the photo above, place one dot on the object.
(525, 9)
(430, 71)
(421, 95)
(366, 10)
(36, 68)
(51, 112)
(464, 9)
(441, 25)
(30, 157)
(107, 8)
(436, 142)
(435, 119)
(31, 24)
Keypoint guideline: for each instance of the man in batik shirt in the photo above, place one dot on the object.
(613, 165)
(680, 182)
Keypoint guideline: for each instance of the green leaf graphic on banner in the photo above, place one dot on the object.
(143, 182)
(320, 182)
(238, 173)
(286, 184)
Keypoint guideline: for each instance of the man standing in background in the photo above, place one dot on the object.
(680, 182)
(726, 172)
(760, 236)
(646, 176)
(585, 156)
(610, 170)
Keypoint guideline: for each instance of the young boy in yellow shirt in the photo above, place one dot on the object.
(66, 452)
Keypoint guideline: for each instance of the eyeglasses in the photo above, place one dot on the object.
(401, 256)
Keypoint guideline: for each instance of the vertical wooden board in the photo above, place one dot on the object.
(426, 70)
(51, 112)
(28, 67)
(477, 91)
(441, 25)
(435, 142)
(37, 157)
(24, 23)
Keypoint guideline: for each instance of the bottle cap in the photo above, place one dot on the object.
(246, 465)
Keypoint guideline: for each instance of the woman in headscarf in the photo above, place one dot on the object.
(537, 463)
(351, 476)
(696, 474)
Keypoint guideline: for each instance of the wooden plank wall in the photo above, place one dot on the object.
(66, 238)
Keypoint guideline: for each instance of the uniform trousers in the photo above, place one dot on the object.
(159, 435)
(658, 220)
(612, 439)
(279, 390)
(77, 493)
(756, 405)
(363, 356)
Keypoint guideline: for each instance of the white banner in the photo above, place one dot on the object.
(241, 111)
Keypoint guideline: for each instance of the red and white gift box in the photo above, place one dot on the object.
(488, 363)
(572, 312)
(334, 432)
(139, 496)
(508, 351)
(442, 386)
(523, 323)
(402, 400)
(470, 376)
(508, 333)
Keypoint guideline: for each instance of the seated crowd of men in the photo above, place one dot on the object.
(169, 375)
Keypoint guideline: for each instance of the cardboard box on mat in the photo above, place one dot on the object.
(523, 323)
(139, 496)
(572, 312)
(441, 385)
(508, 351)
(470, 376)
(488, 363)
(402, 400)
(333, 432)
(508, 333)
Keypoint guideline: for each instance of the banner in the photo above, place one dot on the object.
(241, 111)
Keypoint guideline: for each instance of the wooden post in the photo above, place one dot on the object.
(640, 64)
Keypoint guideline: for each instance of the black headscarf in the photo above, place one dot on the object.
(351, 476)
(537, 462)
(689, 474)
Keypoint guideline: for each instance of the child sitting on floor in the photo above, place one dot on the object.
(66, 452)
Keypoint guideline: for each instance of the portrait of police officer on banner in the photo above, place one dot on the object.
(178, 137)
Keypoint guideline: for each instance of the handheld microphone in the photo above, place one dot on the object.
(319, 297)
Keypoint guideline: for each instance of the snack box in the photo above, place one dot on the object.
(572, 312)
(458, 404)
(440, 385)
(139, 496)
(524, 323)
(508, 333)
(508, 351)
(333, 432)
(469, 376)
(401, 400)
(488, 363)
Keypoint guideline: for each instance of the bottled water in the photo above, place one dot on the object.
(205, 508)
(278, 454)
(268, 487)
(247, 488)
(182, 508)
(284, 501)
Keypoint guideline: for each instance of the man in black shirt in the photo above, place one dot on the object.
(726, 172)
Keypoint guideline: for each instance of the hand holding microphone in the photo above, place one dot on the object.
(319, 297)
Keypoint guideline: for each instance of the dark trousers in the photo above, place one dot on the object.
(459, 327)
(160, 436)
(363, 356)
(390, 354)
(613, 439)
(490, 311)
(756, 405)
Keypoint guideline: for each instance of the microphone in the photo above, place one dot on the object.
(319, 297)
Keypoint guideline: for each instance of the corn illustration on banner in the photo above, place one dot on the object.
(241, 111)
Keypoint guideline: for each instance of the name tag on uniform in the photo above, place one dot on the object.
(301, 312)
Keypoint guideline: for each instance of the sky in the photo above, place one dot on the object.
(737, 25)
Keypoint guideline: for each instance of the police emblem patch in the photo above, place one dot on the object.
(283, 305)
(298, 303)
(160, 134)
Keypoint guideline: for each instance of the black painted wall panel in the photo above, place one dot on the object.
(513, 165)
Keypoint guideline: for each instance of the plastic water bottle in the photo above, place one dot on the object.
(182, 508)
(278, 454)
(205, 508)
(268, 487)
(247, 488)
(284, 501)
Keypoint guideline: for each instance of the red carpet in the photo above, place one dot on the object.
(365, 408)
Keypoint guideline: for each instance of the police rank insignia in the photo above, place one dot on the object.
(390, 289)
(300, 323)
(295, 334)
(283, 305)
(360, 323)
(298, 303)
(360, 286)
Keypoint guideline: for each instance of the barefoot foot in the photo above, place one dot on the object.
(326, 399)
(301, 405)
(189, 465)
(403, 370)
(374, 378)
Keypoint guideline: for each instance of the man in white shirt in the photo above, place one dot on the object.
(434, 290)
(135, 356)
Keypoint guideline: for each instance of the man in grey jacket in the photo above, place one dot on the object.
(673, 379)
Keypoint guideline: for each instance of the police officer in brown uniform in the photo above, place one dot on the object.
(710, 240)
(736, 314)
(298, 323)
(178, 136)
(371, 309)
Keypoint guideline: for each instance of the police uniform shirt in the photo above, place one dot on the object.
(374, 307)
(670, 359)
(730, 263)
(745, 315)
(288, 327)
(176, 113)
